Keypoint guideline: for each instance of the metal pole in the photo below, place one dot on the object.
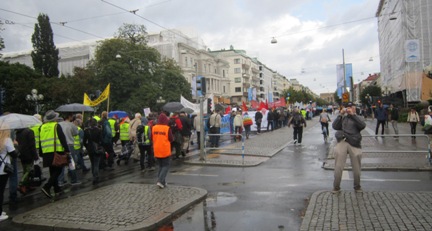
(344, 71)
(202, 135)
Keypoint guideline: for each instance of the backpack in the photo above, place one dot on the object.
(323, 119)
(297, 120)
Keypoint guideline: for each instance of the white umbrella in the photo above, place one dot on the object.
(17, 121)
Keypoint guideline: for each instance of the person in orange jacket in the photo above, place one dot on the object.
(162, 137)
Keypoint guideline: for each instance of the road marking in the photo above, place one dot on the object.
(398, 180)
(192, 174)
(345, 176)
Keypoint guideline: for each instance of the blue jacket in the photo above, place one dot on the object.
(381, 114)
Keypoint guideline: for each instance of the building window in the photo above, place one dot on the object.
(223, 73)
(237, 80)
(224, 89)
(238, 89)
(237, 70)
(186, 62)
(236, 61)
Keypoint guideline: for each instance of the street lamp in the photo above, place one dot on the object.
(160, 100)
(35, 98)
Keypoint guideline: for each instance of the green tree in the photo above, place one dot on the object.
(17, 81)
(371, 90)
(1, 38)
(45, 54)
(135, 34)
(337, 98)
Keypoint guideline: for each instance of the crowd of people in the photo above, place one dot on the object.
(147, 140)
(151, 140)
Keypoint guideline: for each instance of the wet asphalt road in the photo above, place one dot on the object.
(271, 196)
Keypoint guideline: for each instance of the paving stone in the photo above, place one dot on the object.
(115, 207)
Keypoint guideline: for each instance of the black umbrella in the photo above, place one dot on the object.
(172, 106)
(187, 110)
(74, 107)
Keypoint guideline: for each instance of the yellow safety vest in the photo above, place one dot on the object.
(146, 136)
(112, 125)
(35, 129)
(97, 118)
(77, 142)
(124, 131)
(47, 138)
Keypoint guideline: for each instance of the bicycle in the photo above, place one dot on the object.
(324, 132)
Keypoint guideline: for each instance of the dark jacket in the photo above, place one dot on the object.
(186, 126)
(92, 140)
(270, 116)
(258, 117)
(297, 116)
(351, 126)
(394, 114)
(26, 145)
(381, 114)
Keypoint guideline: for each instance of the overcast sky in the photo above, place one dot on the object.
(310, 33)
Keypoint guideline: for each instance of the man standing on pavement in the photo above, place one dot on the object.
(186, 132)
(270, 119)
(197, 127)
(394, 117)
(381, 116)
(258, 120)
(215, 123)
(348, 126)
(162, 138)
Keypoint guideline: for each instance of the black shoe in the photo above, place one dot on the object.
(175, 158)
(118, 162)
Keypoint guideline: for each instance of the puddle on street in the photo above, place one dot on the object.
(220, 199)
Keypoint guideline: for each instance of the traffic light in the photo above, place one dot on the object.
(200, 86)
(209, 106)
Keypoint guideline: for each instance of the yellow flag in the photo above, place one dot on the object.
(87, 100)
(103, 96)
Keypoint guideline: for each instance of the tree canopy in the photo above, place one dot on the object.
(371, 90)
(45, 54)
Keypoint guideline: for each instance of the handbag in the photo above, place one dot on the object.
(8, 168)
(59, 160)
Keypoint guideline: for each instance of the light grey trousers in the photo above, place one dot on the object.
(341, 150)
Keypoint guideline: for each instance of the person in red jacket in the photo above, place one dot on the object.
(162, 137)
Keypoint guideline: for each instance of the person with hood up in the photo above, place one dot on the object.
(162, 137)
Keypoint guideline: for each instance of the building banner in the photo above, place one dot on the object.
(412, 51)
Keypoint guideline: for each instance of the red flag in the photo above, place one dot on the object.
(228, 110)
(244, 107)
(266, 105)
(261, 106)
(283, 102)
(254, 104)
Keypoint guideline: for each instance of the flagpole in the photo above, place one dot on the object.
(109, 96)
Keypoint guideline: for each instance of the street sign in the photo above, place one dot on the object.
(345, 97)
